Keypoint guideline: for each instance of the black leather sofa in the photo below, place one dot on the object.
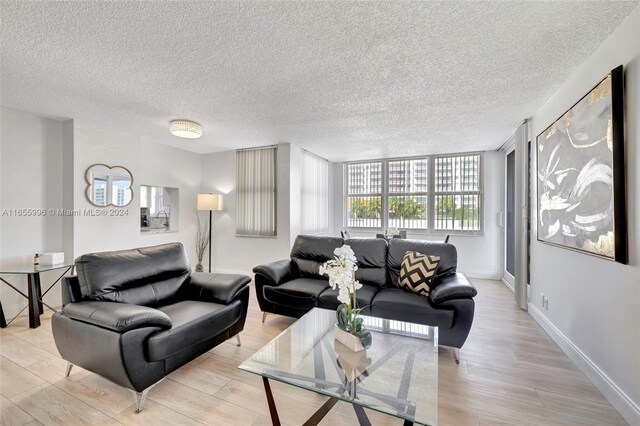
(293, 286)
(134, 316)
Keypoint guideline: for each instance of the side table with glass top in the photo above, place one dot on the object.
(397, 375)
(34, 290)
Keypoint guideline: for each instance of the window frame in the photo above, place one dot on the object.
(431, 195)
(461, 193)
(383, 189)
(406, 193)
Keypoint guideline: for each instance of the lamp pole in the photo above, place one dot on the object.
(210, 223)
(211, 203)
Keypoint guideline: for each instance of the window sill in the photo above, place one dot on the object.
(420, 233)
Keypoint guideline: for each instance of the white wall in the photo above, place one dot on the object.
(241, 254)
(31, 177)
(594, 304)
(43, 163)
(479, 256)
(150, 164)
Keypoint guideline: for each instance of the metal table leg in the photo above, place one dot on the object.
(34, 306)
(275, 420)
(36, 277)
(3, 321)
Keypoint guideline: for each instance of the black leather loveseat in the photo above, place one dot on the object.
(293, 286)
(134, 316)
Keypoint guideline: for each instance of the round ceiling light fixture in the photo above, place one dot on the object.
(185, 129)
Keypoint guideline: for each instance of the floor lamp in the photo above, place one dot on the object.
(211, 203)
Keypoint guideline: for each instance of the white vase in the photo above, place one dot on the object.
(349, 340)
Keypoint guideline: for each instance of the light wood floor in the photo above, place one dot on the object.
(511, 373)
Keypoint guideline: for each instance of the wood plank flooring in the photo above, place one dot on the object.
(510, 373)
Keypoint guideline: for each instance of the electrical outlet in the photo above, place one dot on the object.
(545, 303)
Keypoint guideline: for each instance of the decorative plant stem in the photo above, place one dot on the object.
(202, 241)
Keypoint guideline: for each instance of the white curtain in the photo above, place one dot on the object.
(256, 192)
(315, 194)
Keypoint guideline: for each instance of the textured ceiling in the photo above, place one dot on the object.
(346, 80)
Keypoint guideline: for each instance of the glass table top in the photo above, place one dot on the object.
(397, 375)
(30, 268)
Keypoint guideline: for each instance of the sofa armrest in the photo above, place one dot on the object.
(218, 288)
(278, 272)
(455, 286)
(70, 290)
(119, 317)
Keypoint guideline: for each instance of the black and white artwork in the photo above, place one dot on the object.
(581, 175)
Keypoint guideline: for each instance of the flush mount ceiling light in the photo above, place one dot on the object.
(185, 129)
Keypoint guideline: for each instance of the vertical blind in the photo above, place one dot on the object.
(315, 194)
(256, 192)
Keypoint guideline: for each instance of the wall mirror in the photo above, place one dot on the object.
(158, 209)
(109, 186)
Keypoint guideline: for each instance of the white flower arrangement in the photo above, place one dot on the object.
(392, 231)
(342, 275)
(341, 272)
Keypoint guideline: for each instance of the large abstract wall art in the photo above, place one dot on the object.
(581, 177)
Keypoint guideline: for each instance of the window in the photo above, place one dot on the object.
(439, 193)
(457, 194)
(315, 194)
(256, 192)
(408, 193)
(364, 195)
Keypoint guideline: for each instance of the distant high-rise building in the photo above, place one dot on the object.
(408, 176)
(100, 192)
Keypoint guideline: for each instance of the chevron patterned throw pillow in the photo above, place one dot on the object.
(417, 272)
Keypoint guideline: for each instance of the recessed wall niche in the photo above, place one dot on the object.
(158, 209)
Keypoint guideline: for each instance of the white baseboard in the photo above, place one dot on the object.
(483, 275)
(629, 409)
(509, 286)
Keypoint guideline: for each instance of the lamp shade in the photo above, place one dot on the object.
(212, 202)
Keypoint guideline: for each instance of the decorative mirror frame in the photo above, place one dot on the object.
(89, 184)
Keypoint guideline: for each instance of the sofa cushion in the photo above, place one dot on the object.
(301, 293)
(309, 252)
(364, 295)
(397, 248)
(417, 272)
(397, 304)
(193, 322)
(371, 254)
(146, 276)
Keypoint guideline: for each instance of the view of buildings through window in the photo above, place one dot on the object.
(439, 193)
(457, 195)
(408, 192)
(119, 194)
(100, 192)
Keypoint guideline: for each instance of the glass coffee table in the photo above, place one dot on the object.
(397, 375)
